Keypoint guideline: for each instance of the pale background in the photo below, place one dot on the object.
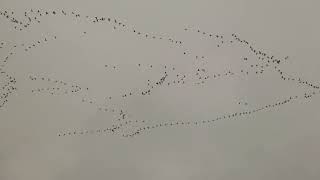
(282, 143)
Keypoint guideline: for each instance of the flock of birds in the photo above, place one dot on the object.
(256, 63)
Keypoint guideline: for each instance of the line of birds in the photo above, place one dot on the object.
(148, 128)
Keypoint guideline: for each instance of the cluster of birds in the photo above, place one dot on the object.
(8, 87)
(255, 63)
(31, 17)
(56, 87)
(34, 16)
(8, 84)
